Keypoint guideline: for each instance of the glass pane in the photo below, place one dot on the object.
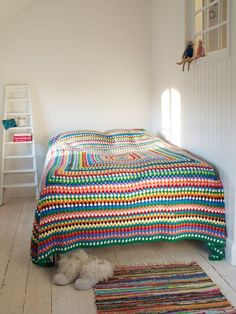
(206, 2)
(198, 4)
(196, 40)
(212, 40)
(223, 10)
(205, 37)
(212, 15)
(223, 37)
(200, 22)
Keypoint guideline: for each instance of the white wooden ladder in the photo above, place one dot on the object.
(19, 169)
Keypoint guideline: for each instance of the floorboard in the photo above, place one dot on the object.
(12, 298)
(9, 219)
(27, 288)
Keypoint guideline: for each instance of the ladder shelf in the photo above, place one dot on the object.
(19, 168)
(26, 142)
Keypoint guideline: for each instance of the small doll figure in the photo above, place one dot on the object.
(188, 52)
(201, 51)
(187, 55)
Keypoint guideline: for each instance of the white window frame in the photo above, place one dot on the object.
(223, 52)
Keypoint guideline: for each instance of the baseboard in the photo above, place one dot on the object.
(230, 252)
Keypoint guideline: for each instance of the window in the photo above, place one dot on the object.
(210, 23)
(171, 115)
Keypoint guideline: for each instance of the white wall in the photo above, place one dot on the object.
(207, 109)
(88, 61)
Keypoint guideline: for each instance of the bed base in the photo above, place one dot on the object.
(217, 253)
(216, 250)
(55, 259)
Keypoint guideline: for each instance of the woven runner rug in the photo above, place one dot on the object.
(174, 288)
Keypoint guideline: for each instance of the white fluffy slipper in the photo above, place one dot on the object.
(87, 269)
(84, 283)
(61, 280)
(69, 267)
(92, 272)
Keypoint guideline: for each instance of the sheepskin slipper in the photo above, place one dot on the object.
(86, 269)
(94, 271)
(84, 284)
(69, 267)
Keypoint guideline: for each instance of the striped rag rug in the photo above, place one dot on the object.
(173, 288)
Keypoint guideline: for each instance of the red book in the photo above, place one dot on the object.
(22, 137)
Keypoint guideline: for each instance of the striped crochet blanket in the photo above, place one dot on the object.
(124, 186)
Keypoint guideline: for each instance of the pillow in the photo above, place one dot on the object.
(129, 132)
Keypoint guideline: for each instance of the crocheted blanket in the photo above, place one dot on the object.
(124, 186)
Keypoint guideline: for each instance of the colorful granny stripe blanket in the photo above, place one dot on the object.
(124, 186)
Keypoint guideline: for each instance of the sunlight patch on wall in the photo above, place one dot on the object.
(171, 115)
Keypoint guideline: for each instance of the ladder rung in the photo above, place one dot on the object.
(17, 86)
(18, 185)
(20, 171)
(18, 113)
(17, 99)
(20, 128)
(19, 156)
(25, 142)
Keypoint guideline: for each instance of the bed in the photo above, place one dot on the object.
(120, 187)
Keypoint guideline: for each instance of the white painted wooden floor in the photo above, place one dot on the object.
(28, 289)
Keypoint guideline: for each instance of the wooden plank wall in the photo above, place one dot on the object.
(207, 109)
